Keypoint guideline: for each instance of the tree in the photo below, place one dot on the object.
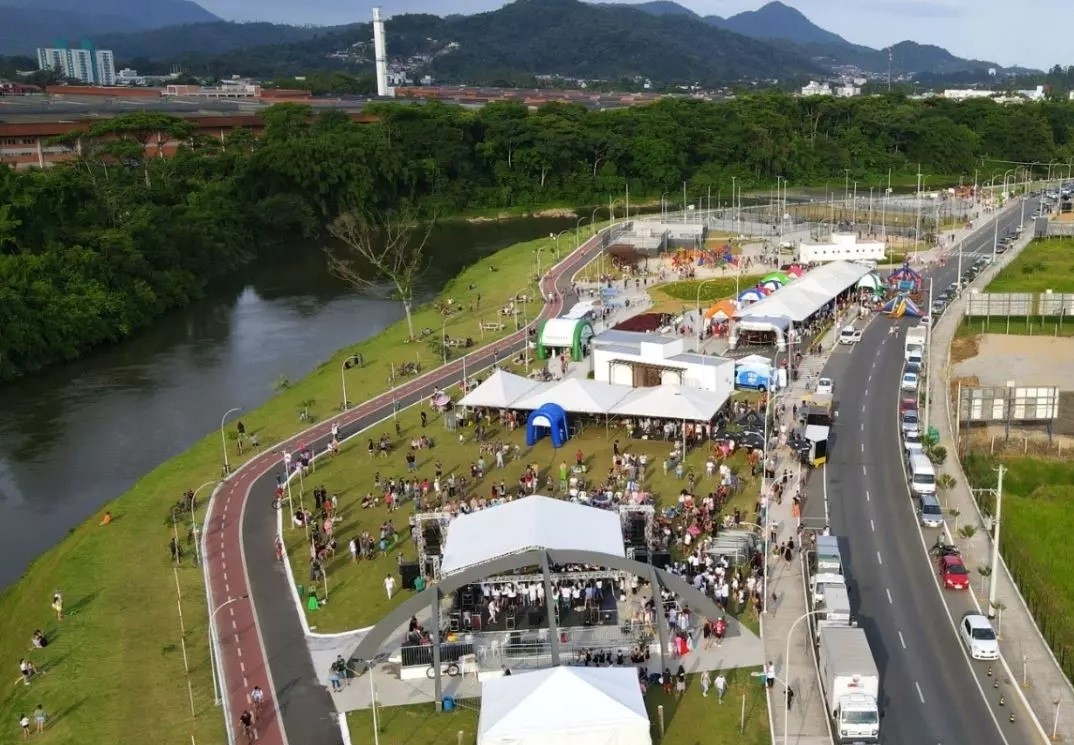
(391, 245)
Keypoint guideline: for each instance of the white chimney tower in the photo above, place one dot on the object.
(381, 54)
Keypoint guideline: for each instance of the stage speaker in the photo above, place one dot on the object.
(607, 618)
(408, 572)
(430, 566)
(661, 559)
(642, 555)
(637, 530)
(534, 618)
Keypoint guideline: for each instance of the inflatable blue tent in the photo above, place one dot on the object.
(549, 416)
(900, 306)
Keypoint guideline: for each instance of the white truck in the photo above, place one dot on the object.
(914, 345)
(851, 683)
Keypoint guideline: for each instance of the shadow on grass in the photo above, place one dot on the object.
(65, 712)
(81, 604)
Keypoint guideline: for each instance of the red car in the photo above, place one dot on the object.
(907, 403)
(953, 573)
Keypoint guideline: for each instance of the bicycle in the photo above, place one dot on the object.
(450, 669)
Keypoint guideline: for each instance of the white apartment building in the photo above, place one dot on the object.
(816, 89)
(96, 67)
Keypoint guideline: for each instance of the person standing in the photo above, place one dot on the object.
(24, 722)
(769, 674)
(40, 717)
(721, 686)
(389, 585)
(706, 683)
(57, 605)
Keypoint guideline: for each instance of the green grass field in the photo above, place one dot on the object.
(1038, 520)
(356, 591)
(1046, 264)
(691, 720)
(715, 289)
(1015, 325)
(115, 671)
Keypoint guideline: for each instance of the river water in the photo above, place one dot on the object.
(74, 436)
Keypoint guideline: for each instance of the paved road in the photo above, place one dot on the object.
(931, 692)
(260, 638)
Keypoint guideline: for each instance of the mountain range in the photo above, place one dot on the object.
(658, 40)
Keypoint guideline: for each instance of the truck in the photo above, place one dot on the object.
(851, 683)
(915, 342)
(834, 609)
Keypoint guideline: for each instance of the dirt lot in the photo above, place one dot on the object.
(1027, 360)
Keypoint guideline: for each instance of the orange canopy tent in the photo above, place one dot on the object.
(724, 307)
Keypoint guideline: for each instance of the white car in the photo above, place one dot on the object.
(978, 636)
(909, 382)
(850, 335)
(825, 386)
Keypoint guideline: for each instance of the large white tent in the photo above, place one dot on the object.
(564, 706)
(577, 396)
(801, 299)
(672, 402)
(531, 522)
(499, 391)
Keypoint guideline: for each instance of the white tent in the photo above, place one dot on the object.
(531, 522)
(564, 706)
(754, 361)
(673, 402)
(801, 299)
(576, 396)
(499, 391)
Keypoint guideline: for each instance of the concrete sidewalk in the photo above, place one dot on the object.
(1025, 651)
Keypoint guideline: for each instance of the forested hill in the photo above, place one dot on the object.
(92, 250)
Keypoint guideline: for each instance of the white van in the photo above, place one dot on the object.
(922, 474)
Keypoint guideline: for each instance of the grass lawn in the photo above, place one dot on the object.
(971, 326)
(1038, 494)
(1046, 264)
(356, 591)
(115, 664)
(692, 720)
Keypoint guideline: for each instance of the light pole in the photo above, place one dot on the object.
(928, 353)
(700, 324)
(212, 655)
(443, 342)
(194, 522)
(663, 217)
(345, 365)
(558, 235)
(593, 221)
(995, 544)
(787, 661)
(373, 694)
(577, 234)
(537, 261)
(223, 439)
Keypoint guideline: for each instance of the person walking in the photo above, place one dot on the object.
(57, 605)
(769, 674)
(706, 683)
(721, 686)
(389, 585)
(24, 722)
(790, 697)
(40, 717)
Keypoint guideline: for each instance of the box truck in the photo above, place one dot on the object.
(914, 345)
(851, 683)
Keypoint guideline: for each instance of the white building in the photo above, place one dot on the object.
(961, 94)
(644, 360)
(847, 90)
(816, 89)
(97, 67)
(840, 247)
(1035, 94)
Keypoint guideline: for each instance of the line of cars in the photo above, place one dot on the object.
(974, 629)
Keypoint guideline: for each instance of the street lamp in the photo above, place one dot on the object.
(577, 234)
(194, 522)
(663, 218)
(787, 661)
(212, 655)
(357, 358)
(557, 237)
(373, 693)
(593, 221)
(443, 341)
(223, 439)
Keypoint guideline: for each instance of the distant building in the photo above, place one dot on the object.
(1035, 94)
(840, 247)
(816, 89)
(96, 67)
(961, 94)
(847, 90)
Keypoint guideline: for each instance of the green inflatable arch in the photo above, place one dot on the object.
(582, 333)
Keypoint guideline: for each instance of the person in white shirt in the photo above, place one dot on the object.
(721, 686)
(389, 585)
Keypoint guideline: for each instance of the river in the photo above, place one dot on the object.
(74, 436)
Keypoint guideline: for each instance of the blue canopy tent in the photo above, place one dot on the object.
(549, 416)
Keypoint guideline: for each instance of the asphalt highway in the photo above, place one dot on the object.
(931, 692)
(261, 640)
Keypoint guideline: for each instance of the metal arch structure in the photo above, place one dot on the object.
(432, 598)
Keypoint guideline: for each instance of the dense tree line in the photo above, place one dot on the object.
(96, 248)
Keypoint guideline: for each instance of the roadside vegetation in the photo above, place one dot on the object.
(1037, 525)
(1046, 264)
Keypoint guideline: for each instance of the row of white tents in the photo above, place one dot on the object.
(504, 390)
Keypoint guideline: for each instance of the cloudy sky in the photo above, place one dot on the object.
(1032, 33)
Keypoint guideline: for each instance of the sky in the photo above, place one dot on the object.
(1031, 33)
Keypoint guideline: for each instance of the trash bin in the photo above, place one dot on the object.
(449, 703)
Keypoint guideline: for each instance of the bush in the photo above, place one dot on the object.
(938, 454)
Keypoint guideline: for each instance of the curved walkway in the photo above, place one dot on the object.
(256, 637)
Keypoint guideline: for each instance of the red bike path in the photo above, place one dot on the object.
(258, 638)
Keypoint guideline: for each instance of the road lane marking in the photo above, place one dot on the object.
(225, 576)
(920, 695)
(902, 641)
(227, 588)
(232, 612)
(892, 602)
(879, 559)
(863, 448)
(242, 668)
(863, 408)
(863, 426)
(872, 525)
(239, 651)
(234, 626)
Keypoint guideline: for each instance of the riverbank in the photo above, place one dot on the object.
(115, 665)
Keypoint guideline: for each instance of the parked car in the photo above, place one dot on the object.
(850, 335)
(907, 403)
(912, 443)
(979, 637)
(910, 423)
(953, 573)
(825, 386)
(909, 382)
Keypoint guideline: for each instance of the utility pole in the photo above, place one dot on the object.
(995, 235)
(995, 544)
(928, 357)
(959, 280)
(684, 201)
(917, 230)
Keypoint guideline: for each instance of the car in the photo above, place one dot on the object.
(909, 382)
(907, 403)
(938, 307)
(850, 335)
(910, 423)
(825, 386)
(912, 366)
(912, 443)
(953, 573)
(979, 637)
